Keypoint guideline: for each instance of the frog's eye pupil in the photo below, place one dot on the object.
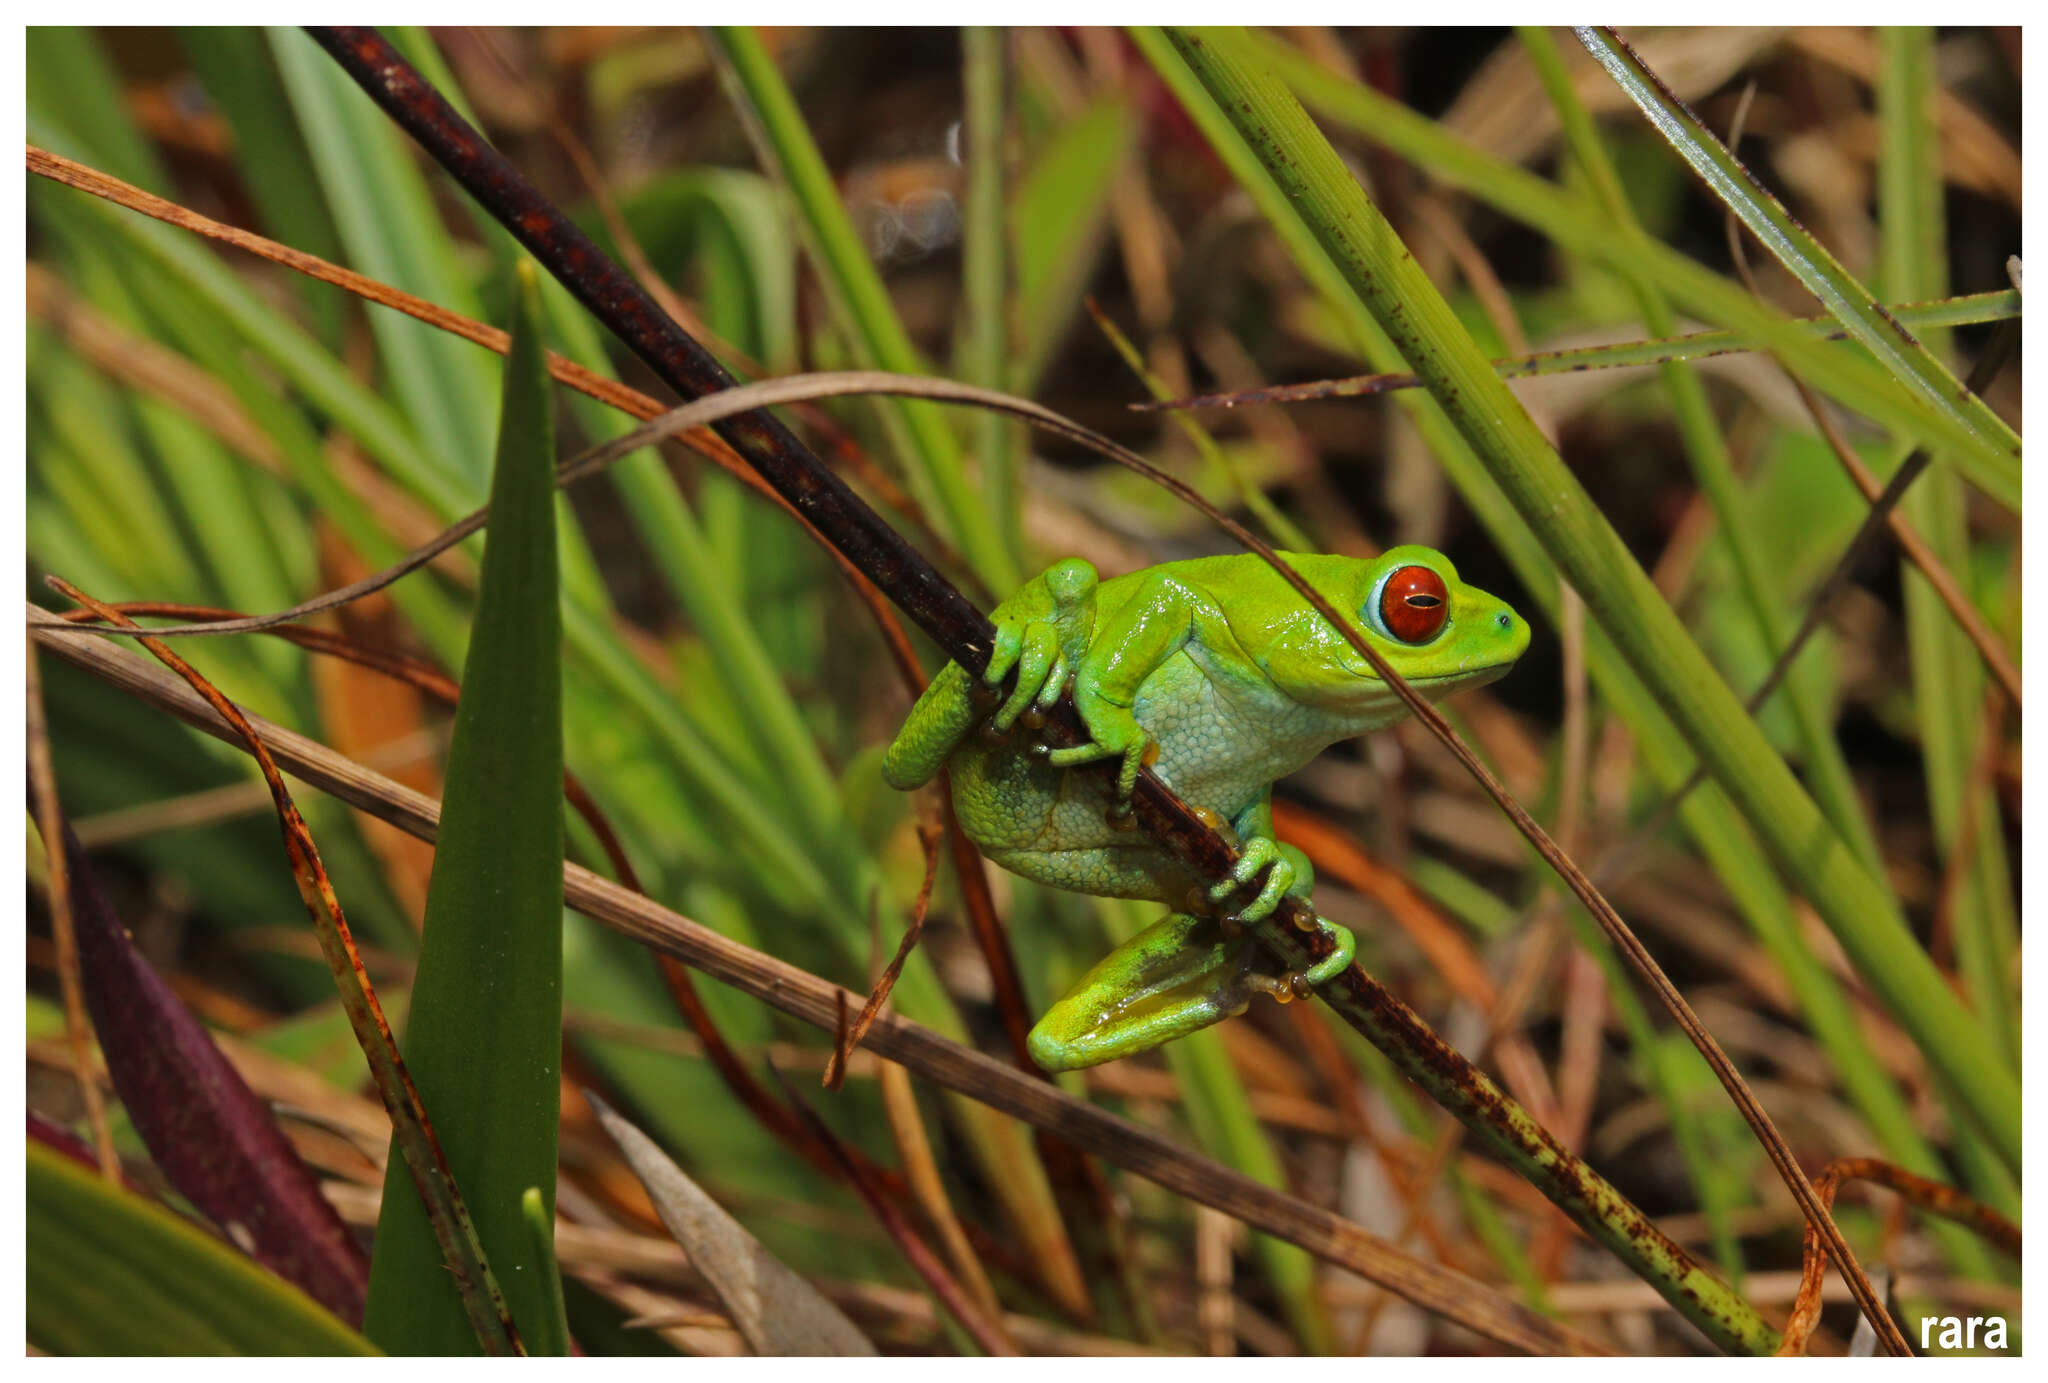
(1414, 604)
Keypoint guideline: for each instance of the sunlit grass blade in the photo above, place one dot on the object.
(1590, 555)
(387, 220)
(1057, 218)
(1997, 449)
(984, 353)
(112, 1273)
(484, 1039)
(236, 69)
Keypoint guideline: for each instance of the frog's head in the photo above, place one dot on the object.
(1438, 633)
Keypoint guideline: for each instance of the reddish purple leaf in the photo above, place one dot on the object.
(209, 1133)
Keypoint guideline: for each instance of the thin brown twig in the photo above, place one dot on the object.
(835, 1070)
(48, 811)
(1931, 1196)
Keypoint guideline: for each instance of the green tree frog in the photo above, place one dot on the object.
(1217, 674)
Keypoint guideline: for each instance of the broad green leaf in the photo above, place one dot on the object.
(112, 1273)
(484, 1037)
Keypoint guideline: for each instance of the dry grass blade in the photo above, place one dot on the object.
(985, 1329)
(835, 1069)
(921, 1171)
(925, 1053)
(1931, 1196)
(777, 1312)
(483, 1301)
(49, 819)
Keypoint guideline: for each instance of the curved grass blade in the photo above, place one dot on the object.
(484, 1036)
(110, 1273)
(1998, 448)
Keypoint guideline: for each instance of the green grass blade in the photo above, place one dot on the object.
(385, 213)
(937, 469)
(1593, 559)
(984, 355)
(1716, 828)
(112, 1273)
(1948, 686)
(1057, 221)
(1996, 447)
(1809, 685)
(1576, 225)
(484, 1037)
(236, 69)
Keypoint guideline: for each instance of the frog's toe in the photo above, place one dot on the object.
(1040, 650)
(1081, 754)
(1260, 853)
(1055, 683)
(1340, 958)
(1004, 652)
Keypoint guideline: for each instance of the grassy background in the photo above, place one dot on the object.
(817, 201)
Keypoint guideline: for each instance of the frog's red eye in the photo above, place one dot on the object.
(1414, 604)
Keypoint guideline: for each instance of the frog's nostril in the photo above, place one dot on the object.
(1505, 620)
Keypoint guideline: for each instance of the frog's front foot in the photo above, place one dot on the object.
(1045, 647)
(1259, 853)
(1283, 876)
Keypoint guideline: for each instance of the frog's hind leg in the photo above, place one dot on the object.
(1179, 975)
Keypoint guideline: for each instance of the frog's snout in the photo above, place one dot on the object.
(1514, 633)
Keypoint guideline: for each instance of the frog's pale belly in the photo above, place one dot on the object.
(1223, 738)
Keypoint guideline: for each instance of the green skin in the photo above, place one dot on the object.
(1217, 674)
